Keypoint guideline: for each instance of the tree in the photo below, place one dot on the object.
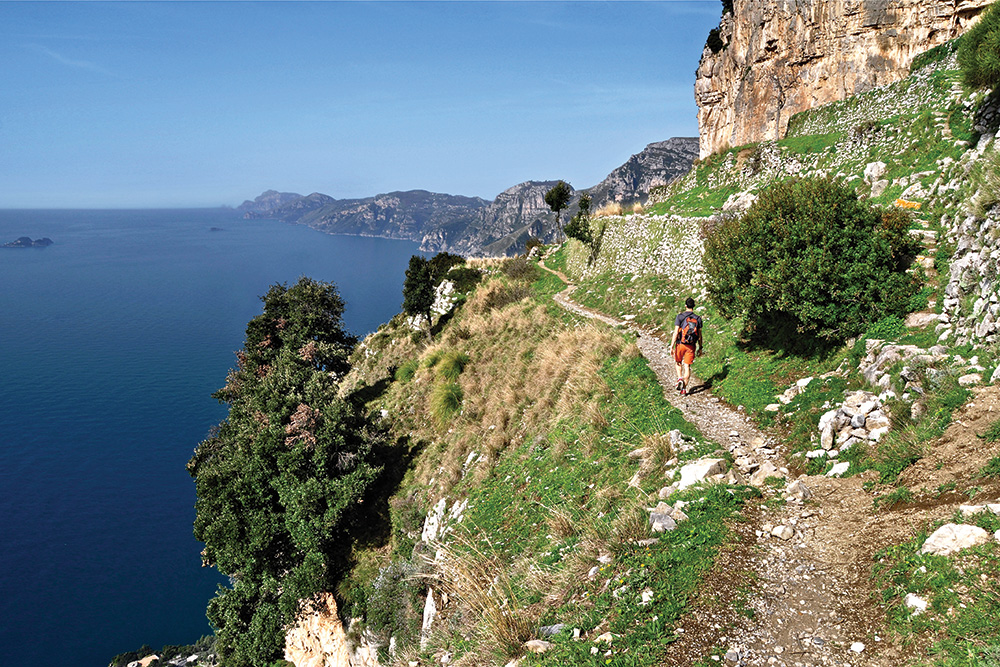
(418, 289)
(979, 50)
(579, 225)
(558, 197)
(809, 258)
(275, 481)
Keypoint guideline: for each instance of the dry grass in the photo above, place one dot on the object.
(638, 208)
(482, 583)
(658, 452)
(608, 210)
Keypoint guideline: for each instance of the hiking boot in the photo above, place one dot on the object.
(680, 384)
(684, 391)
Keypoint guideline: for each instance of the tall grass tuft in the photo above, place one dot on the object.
(450, 365)
(608, 210)
(481, 581)
(446, 401)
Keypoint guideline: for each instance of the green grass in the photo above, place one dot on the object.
(963, 592)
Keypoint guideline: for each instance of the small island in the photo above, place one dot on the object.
(26, 242)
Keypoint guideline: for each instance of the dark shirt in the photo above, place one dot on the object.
(679, 322)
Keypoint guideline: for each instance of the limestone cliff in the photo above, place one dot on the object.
(775, 58)
(318, 639)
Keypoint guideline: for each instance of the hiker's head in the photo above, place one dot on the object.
(689, 302)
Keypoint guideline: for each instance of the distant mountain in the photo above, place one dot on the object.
(470, 225)
(657, 164)
(268, 201)
(399, 215)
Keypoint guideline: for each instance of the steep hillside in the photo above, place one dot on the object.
(769, 60)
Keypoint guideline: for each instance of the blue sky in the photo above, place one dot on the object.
(162, 104)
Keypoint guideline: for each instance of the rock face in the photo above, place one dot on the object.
(318, 639)
(504, 225)
(657, 164)
(776, 58)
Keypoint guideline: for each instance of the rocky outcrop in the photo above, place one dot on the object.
(318, 639)
(27, 242)
(657, 164)
(266, 202)
(503, 226)
(775, 58)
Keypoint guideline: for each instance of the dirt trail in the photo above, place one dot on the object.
(808, 590)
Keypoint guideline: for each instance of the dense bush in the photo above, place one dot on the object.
(979, 50)
(277, 480)
(809, 258)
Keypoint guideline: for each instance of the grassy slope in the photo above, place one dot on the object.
(538, 446)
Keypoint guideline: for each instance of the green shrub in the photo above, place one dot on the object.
(519, 268)
(992, 433)
(810, 258)
(446, 401)
(441, 263)
(979, 51)
(464, 278)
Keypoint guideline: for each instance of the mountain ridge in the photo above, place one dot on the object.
(472, 225)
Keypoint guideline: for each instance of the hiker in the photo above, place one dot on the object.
(687, 335)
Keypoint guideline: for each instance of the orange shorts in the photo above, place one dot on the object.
(684, 354)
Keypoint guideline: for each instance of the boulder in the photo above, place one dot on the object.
(799, 490)
(952, 538)
(698, 471)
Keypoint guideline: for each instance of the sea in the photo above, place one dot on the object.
(112, 341)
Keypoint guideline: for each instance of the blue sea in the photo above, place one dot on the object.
(112, 341)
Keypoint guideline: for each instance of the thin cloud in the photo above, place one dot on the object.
(70, 62)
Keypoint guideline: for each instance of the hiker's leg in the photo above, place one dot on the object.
(687, 374)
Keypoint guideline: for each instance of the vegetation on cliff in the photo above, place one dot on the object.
(278, 479)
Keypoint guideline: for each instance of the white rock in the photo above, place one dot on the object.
(772, 407)
(816, 453)
(838, 469)
(799, 490)
(916, 603)
(874, 171)
(876, 433)
(783, 532)
(857, 647)
(827, 436)
(538, 645)
(951, 538)
(767, 469)
(970, 379)
(696, 472)
(971, 510)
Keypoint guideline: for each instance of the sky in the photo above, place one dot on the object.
(189, 104)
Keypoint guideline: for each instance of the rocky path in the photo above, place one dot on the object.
(801, 567)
